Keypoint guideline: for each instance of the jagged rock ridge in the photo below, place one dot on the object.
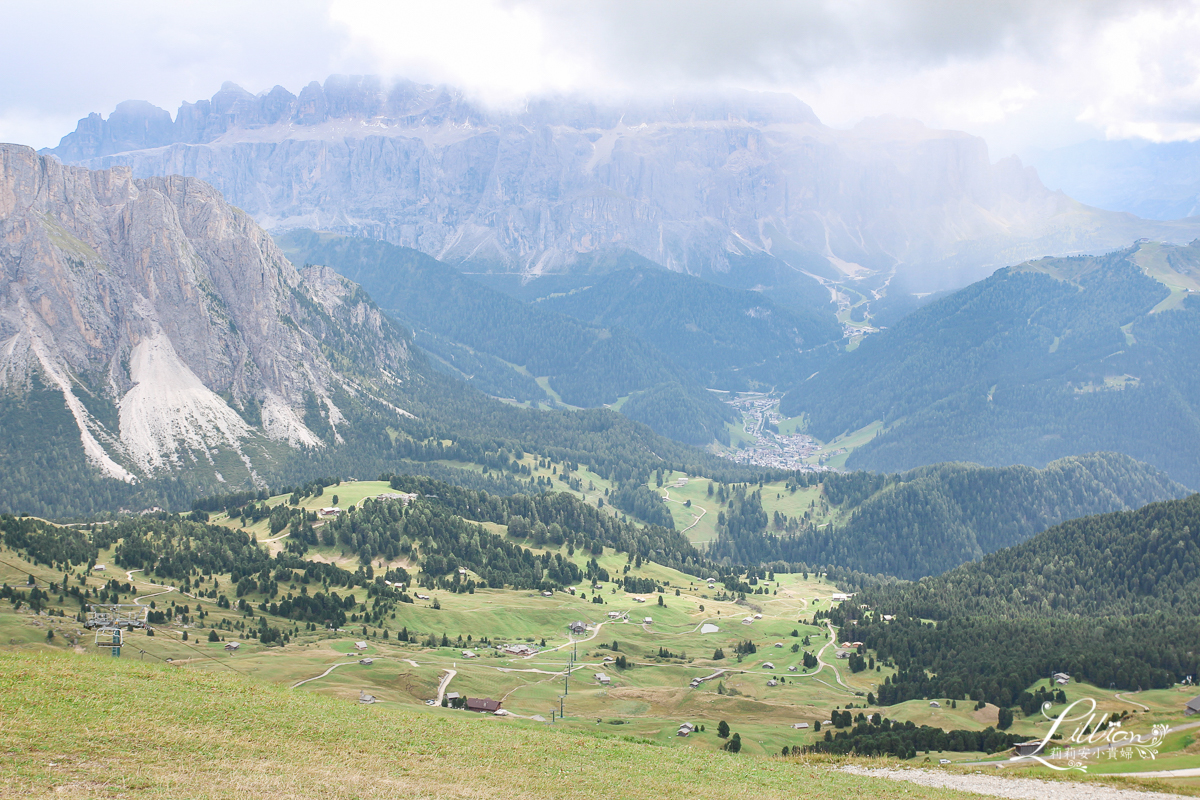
(716, 184)
(175, 329)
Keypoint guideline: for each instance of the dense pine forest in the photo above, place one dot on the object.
(1113, 599)
(931, 519)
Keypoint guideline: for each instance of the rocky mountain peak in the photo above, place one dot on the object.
(169, 321)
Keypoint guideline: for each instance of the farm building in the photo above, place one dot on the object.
(331, 511)
(686, 729)
(1192, 707)
(1062, 678)
(519, 650)
(484, 705)
(231, 646)
(578, 628)
(364, 698)
(547, 594)
(768, 665)
(603, 679)
(468, 654)
(360, 645)
(99, 568)
(800, 726)
(934, 704)
(836, 597)
(772, 682)
(792, 668)
(614, 615)
(648, 620)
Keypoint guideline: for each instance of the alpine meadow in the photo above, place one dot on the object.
(512, 399)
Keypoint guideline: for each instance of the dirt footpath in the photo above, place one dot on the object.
(1015, 788)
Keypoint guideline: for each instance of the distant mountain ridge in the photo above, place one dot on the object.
(736, 185)
(727, 338)
(504, 346)
(1050, 358)
(1155, 180)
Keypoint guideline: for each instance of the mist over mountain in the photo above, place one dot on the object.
(1150, 179)
(727, 185)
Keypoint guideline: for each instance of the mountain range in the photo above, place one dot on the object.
(739, 186)
(1050, 358)
(1155, 180)
(156, 344)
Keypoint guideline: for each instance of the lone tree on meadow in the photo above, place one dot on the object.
(723, 729)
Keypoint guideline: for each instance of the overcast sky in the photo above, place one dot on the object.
(1021, 73)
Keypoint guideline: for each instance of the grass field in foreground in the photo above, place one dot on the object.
(85, 726)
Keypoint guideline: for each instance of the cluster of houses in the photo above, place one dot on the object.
(848, 649)
(686, 729)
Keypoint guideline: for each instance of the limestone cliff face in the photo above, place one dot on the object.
(701, 184)
(171, 323)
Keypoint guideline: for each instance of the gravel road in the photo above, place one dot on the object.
(1016, 788)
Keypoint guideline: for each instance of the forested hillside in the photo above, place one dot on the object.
(1052, 358)
(726, 337)
(1123, 563)
(1113, 599)
(932, 519)
(495, 341)
(437, 533)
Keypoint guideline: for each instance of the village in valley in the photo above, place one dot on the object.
(764, 438)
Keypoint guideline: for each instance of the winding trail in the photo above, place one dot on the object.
(323, 674)
(823, 664)
(166, 589)
(1131, 702)
(696, 520)
(449, 676)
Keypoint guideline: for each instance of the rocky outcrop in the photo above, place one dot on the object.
(172, 325)
(699, 184)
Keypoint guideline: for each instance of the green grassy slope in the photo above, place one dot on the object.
(100, 727)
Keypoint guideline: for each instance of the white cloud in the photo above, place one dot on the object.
(1019, 72)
